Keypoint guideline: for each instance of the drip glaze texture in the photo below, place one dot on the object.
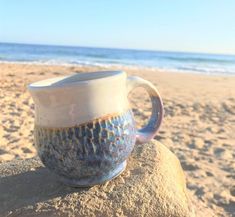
(89, 153)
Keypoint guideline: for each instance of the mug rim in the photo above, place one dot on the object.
(73, 80)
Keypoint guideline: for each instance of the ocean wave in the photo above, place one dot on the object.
(197, 70)
(102, 57)
(201, 60)
(210, 71)
(72, 63)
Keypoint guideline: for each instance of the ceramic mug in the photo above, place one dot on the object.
(84, 126)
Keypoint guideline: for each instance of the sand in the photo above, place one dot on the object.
(198, 126)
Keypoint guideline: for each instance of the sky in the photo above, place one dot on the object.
(182, 25)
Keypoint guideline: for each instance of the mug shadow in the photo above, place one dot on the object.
(31, 187)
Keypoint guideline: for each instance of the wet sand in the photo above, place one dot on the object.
(198, 126)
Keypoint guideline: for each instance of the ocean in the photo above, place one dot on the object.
(211, 64)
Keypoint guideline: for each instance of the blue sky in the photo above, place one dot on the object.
(182, 25)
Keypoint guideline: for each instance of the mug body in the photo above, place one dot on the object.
(84, 128)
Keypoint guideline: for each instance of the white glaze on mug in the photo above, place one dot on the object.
(80, 98)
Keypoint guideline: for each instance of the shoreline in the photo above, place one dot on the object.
(127, 67)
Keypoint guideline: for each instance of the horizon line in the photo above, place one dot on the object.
(117, 48)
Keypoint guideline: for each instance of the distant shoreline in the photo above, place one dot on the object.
(107, 66)
(196, 63)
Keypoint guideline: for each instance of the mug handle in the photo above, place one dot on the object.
(149, 131)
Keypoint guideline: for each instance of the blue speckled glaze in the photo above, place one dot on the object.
(90, 153)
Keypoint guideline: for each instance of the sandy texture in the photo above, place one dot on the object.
(199, 124)
(153, 184)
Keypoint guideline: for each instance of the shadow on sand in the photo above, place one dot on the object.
(30, 187)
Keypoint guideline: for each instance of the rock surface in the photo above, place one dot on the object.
(153, 184)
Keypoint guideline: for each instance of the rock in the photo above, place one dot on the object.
(153, 184)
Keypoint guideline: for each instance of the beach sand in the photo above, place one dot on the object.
(198, 125)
